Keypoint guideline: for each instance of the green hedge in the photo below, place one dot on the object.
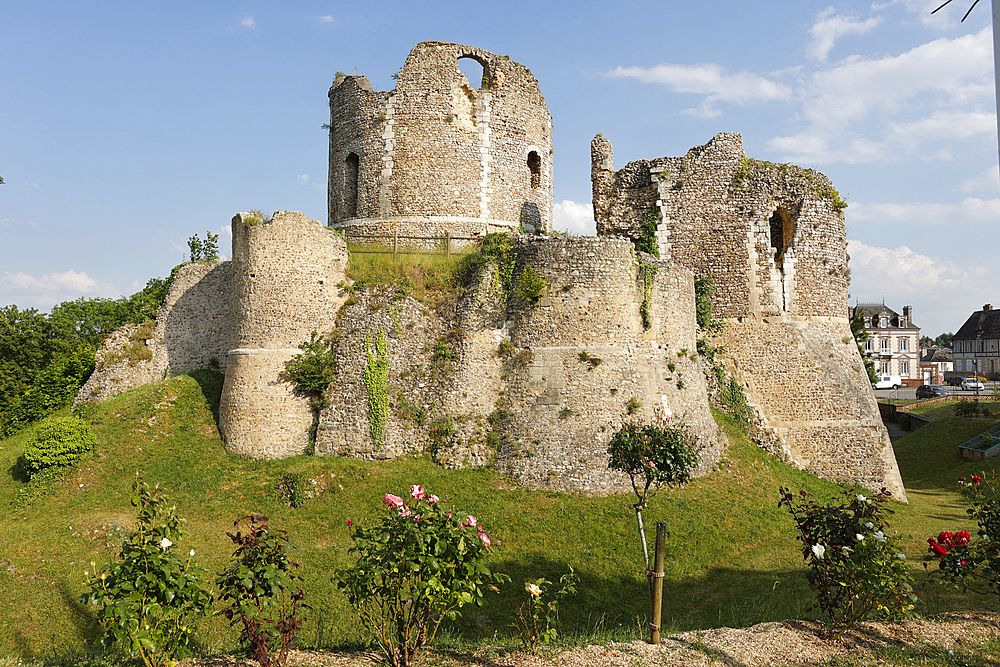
(57, 443)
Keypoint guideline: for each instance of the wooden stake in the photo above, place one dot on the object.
(658, 556)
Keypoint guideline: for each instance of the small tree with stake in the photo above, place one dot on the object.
(663, 453)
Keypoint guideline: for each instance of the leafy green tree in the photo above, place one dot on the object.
(204, 251)
(860, 336)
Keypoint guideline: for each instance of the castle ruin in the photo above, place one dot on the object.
(533, 386)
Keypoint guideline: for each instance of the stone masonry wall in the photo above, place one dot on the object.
(284, 286)
(772, 237)
(192, 332)
(567, 407)
(441, 147)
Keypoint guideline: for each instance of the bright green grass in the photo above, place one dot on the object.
(423, 276)
(732, 557)
(940, 409)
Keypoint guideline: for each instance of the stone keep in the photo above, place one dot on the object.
(439, 152)
(772, 237)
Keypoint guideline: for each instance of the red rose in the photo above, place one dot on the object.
(976, 479)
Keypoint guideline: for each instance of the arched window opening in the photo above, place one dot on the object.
(475, 71)
(535, 169)
(351, 165)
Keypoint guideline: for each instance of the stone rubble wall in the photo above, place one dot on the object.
(440, 146)
(567, 408)
(284, 286)
(192, 332)
(773, 240)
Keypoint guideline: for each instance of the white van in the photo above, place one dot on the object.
(889, 382)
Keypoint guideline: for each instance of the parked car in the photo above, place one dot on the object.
(889, 382)
(972, 384)
(955, 381)
(931, 391)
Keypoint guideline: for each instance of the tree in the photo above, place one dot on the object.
(860, 336)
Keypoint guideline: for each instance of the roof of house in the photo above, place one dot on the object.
(876, 311)
(930, 355)
(987, 318)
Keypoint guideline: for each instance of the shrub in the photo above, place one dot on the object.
(421, 565)
(314, 369)
(538, 616)
(973, 408)
(530, 285)
(58, 443)
(972, 564)
(263, 591)
(855, 568)
(149, 598)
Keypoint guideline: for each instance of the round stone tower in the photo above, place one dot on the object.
(439, 152)
(283, 287)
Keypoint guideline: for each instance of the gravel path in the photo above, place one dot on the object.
(791, 643)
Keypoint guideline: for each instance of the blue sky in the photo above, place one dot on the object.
(128, 127)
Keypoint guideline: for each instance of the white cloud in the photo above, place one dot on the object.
(945, 18)
(577, 219)
(972, 210)
(249, 22)
(956, 70)
(29, 292)
(303, 178)
(945, 124)
(943, 292)
(708, 79)
(905, 272)
(6, 222)
(829, 27)
(814, 148)
(989, 180)
(326, 19)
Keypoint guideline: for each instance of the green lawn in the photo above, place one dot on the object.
(732, 558)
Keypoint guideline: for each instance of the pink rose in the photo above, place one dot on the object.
(449, 515)
(469, 521)
(395, 501)
(484, 538)
(417, 517)
(417, 491)
(349, 523)
(433, 499)
(405, 511)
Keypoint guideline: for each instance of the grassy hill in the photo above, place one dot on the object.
(732, 556)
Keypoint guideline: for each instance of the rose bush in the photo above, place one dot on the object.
(150, 597)
(419, 566)
(538, 616)
(972, 564)
(855, 568)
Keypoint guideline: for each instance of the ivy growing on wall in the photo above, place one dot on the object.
(376, 377)
(648, 274)
(647, 239)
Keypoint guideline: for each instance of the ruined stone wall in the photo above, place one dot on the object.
(283, 287)
(585, 354)
(439, 149)
(192, 332)
(772, 237)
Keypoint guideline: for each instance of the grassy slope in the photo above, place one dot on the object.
(732, 557)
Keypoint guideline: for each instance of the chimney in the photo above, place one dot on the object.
(908, 312)
(987, 308)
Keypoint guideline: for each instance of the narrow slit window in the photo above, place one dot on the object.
(535, 169)
(351, 165)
